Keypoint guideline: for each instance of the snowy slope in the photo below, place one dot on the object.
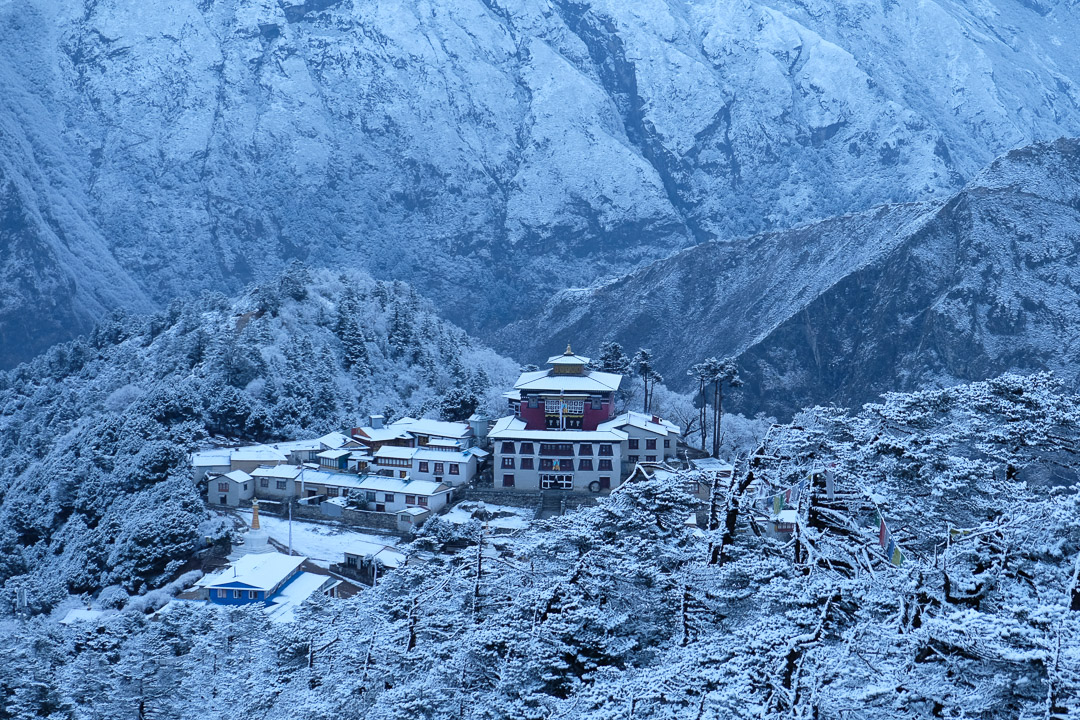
(897, 298)
(490, 153)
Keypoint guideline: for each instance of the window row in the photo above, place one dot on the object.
(420, 500)
(440, 468)
(556, 464)
(558, 449)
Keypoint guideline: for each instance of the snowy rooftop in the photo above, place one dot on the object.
(382, 483)
(210, 458)
(425, 426)
(441, 455)
(287, 472)
(652, 423)
(258, 453)
(414, 511)
(321, 477)
(237, 476)
(395, 452)
(444, 442)
(294, 594)
(334, 454)
(512, 428)
(590, 382)
(260, 571)
(382, 434)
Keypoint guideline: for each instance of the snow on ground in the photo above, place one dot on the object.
(323, 543)
(503, 516)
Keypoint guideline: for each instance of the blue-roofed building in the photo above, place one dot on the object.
(254, 578)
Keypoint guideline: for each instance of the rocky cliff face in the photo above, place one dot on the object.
(490, 152)
(900, 297)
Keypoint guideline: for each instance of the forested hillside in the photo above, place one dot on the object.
(623, 610)
(95, 487)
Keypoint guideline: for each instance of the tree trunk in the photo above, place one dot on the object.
(716, 420)
(703, 413)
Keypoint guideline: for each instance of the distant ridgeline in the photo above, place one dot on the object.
(95, 483)
(627, 610)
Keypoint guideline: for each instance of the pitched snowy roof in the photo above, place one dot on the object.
(426, 426)
(395, 452)
(413, 511)
(333, 454)
(652, 423)
(287, 472)
(547, 381)
(568, 358)
(294, 594)
(478, 452)
(321, 477)
(258, 453)
(211, 458)
(383, 434)
(381, 483)
(512, 428)
(441, 455)
(258, 571)
(443, 442)
(237, 476)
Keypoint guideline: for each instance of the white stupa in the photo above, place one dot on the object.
(256, 540)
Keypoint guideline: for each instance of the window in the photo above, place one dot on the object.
(439, 468)
(585, 449)
(605, 483)
(632, 458)
(508, 481)
(379, 507)
(402, 474)
(423, 466)
(281, 484)
(508, 463)
(508, 448)
(253, 595)
(370, 497)
(650, 444)
(331, 492)
(236, 594)
(264, 482)
(650, 458)
(221, 593)
(526, 448)
(605, 450)
(350, 560)
(557, 464)
(596, 402)
(534, 401)
(245, 486)
(223, 487)
(454, 469)
(421, 500)
(388, 497)
(633, 443)
(605, 466)
(667, 443)
(526, 463)
(585, 464)
(410, 499)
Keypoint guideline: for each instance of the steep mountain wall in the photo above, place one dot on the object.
(901, 297)
(490, 153)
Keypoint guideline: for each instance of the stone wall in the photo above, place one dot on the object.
(491, 496)
(349, 516)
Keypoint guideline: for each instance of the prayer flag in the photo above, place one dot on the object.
(777, 503)
(883, 532)
(896, 556)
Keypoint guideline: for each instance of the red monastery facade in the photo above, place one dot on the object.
(564, 434)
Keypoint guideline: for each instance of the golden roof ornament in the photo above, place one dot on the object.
(568, 350)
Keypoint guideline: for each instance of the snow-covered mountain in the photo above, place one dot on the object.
(895, 298)
(489, 152)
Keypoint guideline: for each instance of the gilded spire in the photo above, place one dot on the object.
(255, 515)
(568, 350)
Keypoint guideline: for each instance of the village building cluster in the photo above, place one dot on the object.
(562, 434)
